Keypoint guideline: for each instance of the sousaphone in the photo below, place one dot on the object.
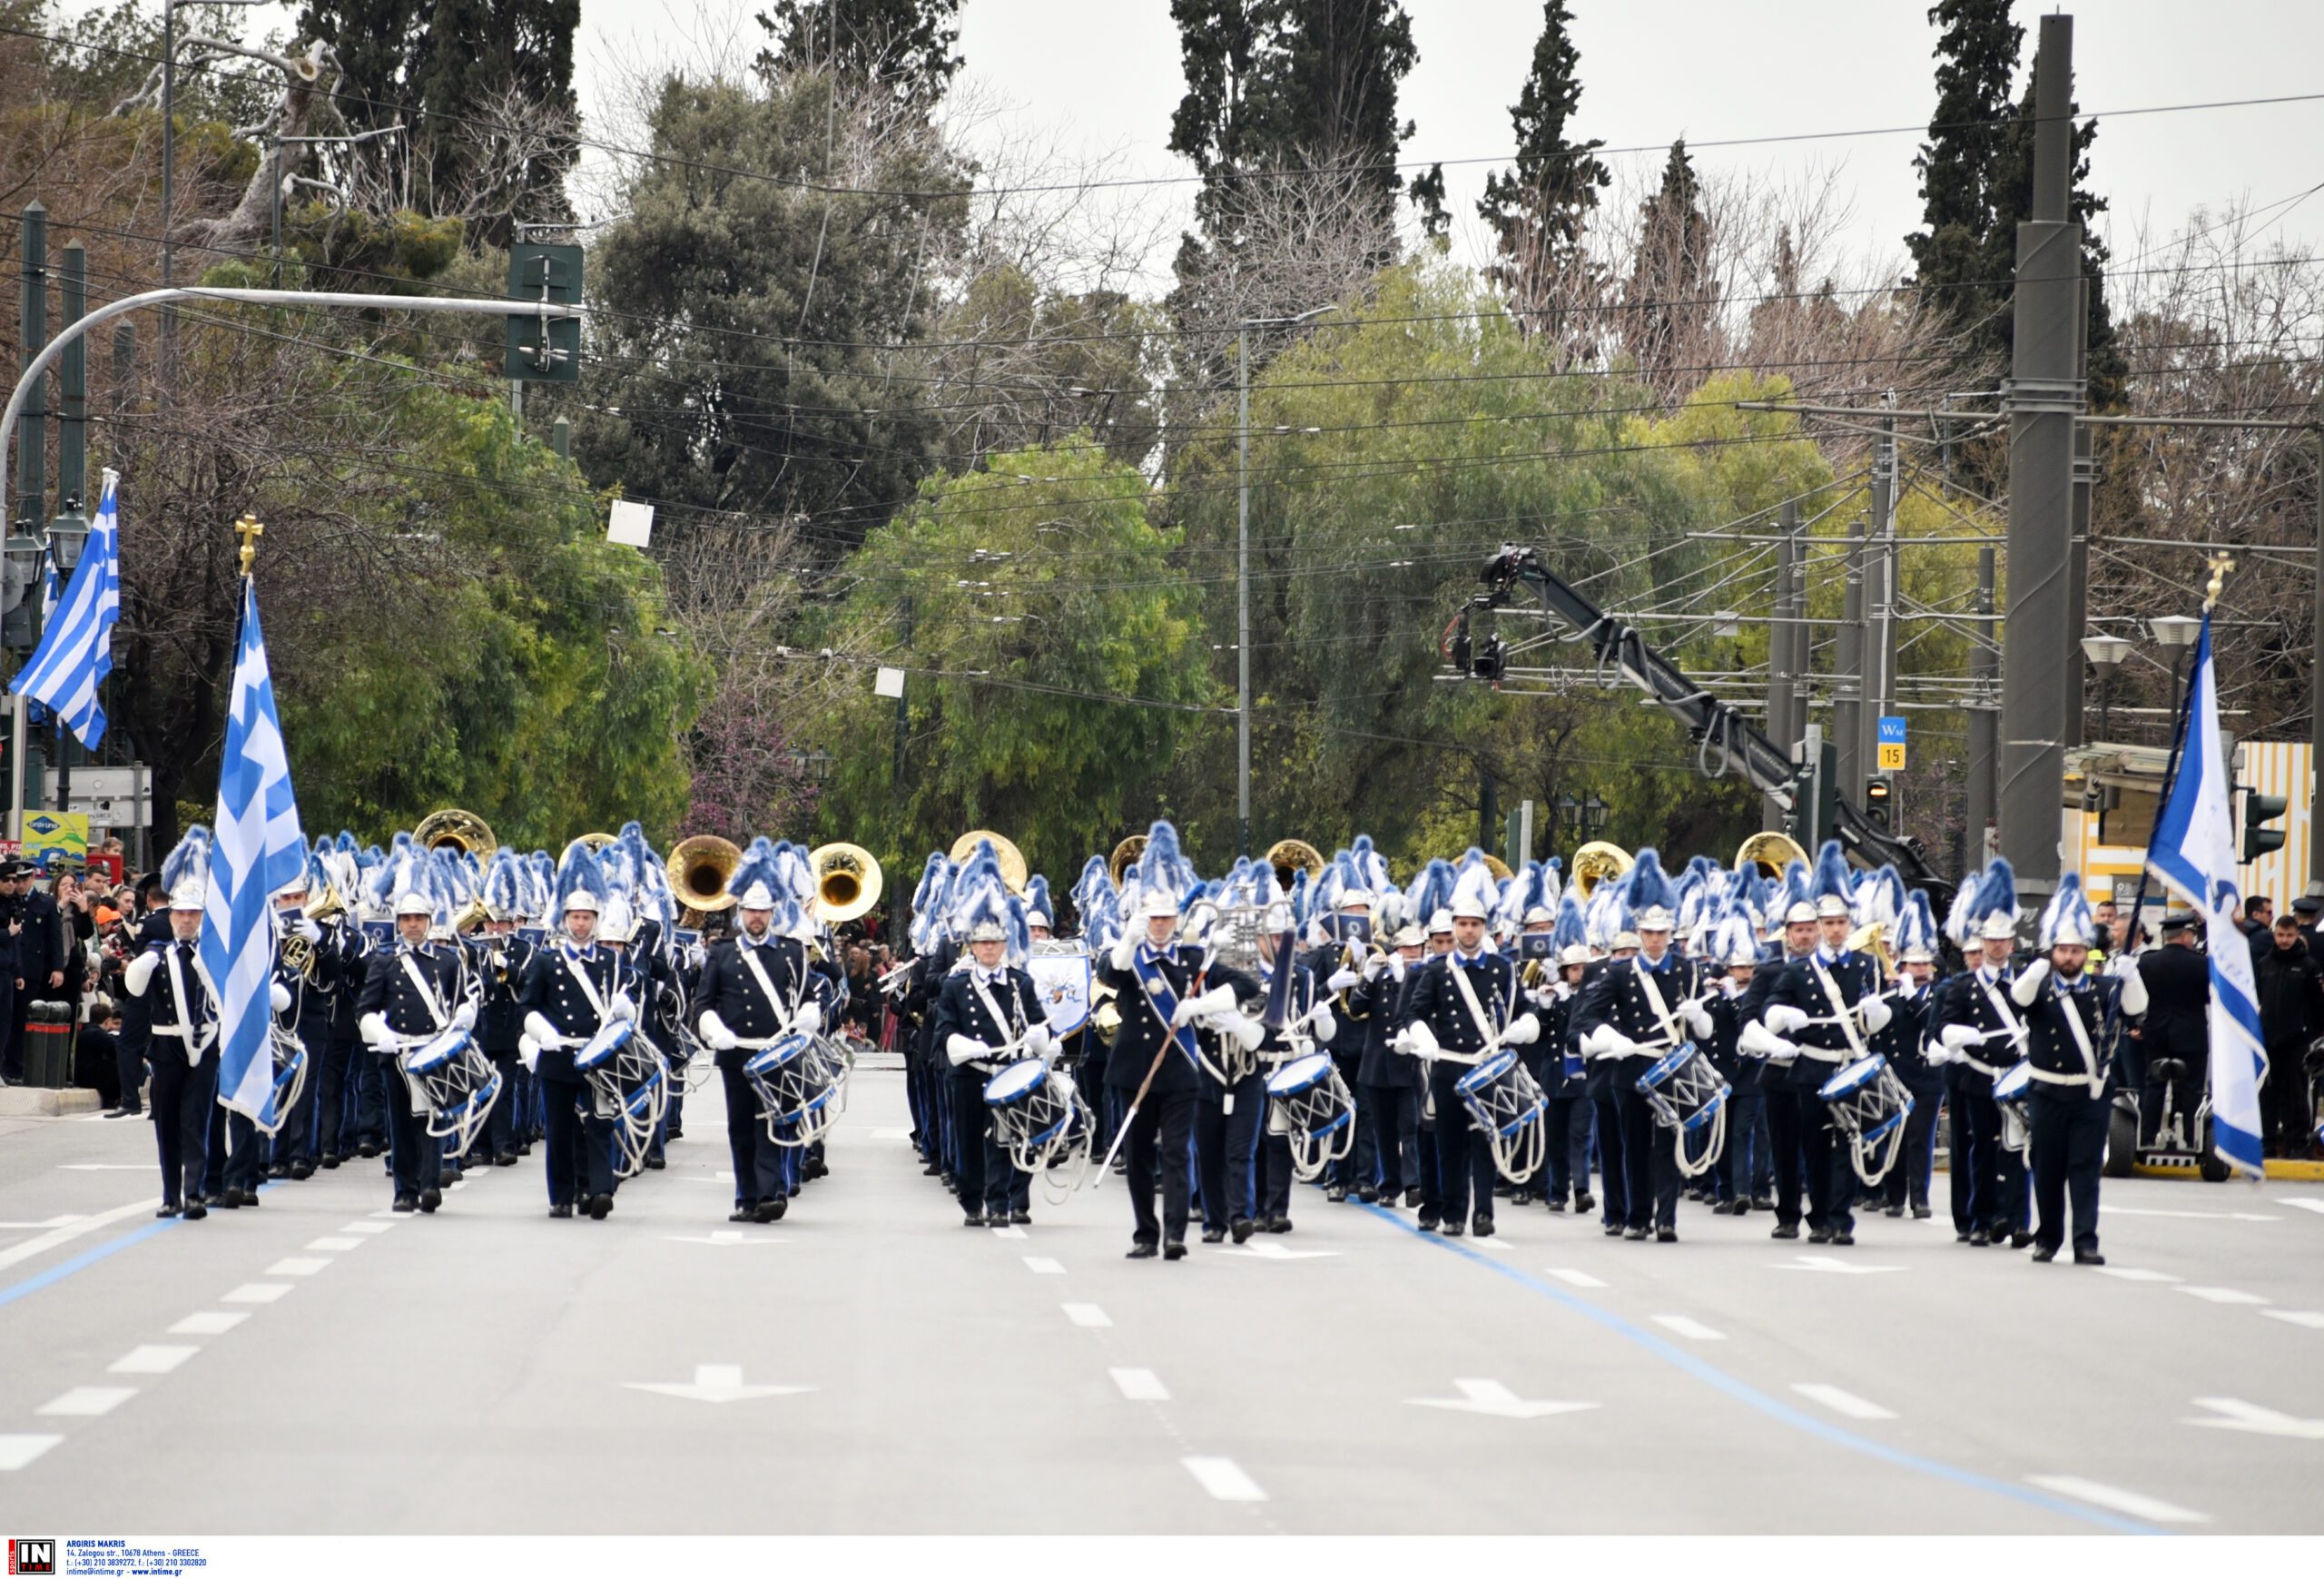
(699, 870)
(1290, 857)
(1596, 861)
(847, 881)
(1125, 856)
(454, 829)
(1013, 869)
(1769, 853)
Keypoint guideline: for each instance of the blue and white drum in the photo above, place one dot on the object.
(1505, 1101)
(798, 1084)
(611, 1038)
(435, 1053)
(1038, 1115)
(2014, 1093)
(1310, 1105)
(1869, 1104)
(453, 1085)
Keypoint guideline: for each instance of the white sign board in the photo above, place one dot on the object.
(888, 683)
(630, 523)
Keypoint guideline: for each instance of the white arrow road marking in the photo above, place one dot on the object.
(2224, 1217)
(1688, 1326)
(716, 1385)
(65, 1233)
(1484, 1396)
(2235, 1415)
(335, 1242)
(87, 1401)
(1088, 1315)
(1269, 1250)
(1840, 1401)
(1223, 1479)
(2120, 1501)
(1576, 1276)
(153, 1359)
(2314, 1318)
(297, 1266)
(1045, 1266)
(15, 1451)
(723, 1237)
(1141, 1387)
(2139, 1275)
(209, 1323)
(1831, 1264)
(2220, 1295)
(256, 1293)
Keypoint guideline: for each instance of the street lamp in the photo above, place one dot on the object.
(2105, 653)
(20, 556)
(2175, 633)
(1243, 567)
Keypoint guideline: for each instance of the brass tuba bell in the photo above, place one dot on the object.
(1013, 870)
(1125, 856)
(699, 869)
(454, 829)
(1290, 857)
(1596, 861)
(847, 882)
(1768, 852)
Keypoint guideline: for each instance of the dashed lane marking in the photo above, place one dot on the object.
(2140, 1275)
(257, 1293)
(1223, 1479)
(1141, 1387)
(1840, 1401)
(334, 1242)
(1088, 1315)
(65, 1233)
(18, 1451)
(297, 1266)
(2134, 1504)
(209, 1323)
(2309, 1319)
(1688, 1326)
(153, 1359)
(83, 1402)
(1576, 1278)
(1045, 1266)
(2222, 1296)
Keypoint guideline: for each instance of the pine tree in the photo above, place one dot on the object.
(1959, 164)
(1539, 211)
(904, 46)
(1670, 303)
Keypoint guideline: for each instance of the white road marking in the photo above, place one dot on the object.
(2220, 1295)
(107, 1166)
(1688, 1326)
(2122, 1501)
(2314, 1318)
(716, 1385)
(368, 1227)
(257, 1293)
(2224, 1217)
(2140, 1275)
(88, 1401)
(334, 1242)
(65, 1233)
(1840, 1401)
(2305, 1202)
(1008, 1232)
(2235, 1415)
(297, 1266)
(1045, 1266)
(1484, 1395)
(1271, 1250)
(1842, 1264)
(1088, 1315)
(892, 1133)
(153, 1359)
(723, 1237)
(1139, 1386)
(209, 1323)
(1223, 1479)
(16, 1451)
(54, 1222)
(1576, 1276)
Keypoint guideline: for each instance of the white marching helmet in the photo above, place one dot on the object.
(192, 894)
(1156, 902)
(411, 901)
(1441, 923)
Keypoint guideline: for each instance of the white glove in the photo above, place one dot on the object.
(1325, 1024)
(1699, 1020)
(1758, 1042)
(538, 1027)
(2027, 986)
(1608, 1042)
(2133, 998)
(1341, 980)
(1958, 1036)
(465, 1017)
(1041, 1043)
(1783, 1019)
(809, 1019)
(1877, 1012)
(1523, 1032)
(1376, 965)
(1420, 1041)
(1247, 1033)
(1125, 953)
(140, 971)
(1396, 966)
(963, 1050)
(279, 995)
(1182, 1013)
(373, 1028)
(714, 1033)
(1935, 1054)
(1218, 1001)
(530, 1051)
(305, 928)
(623, 1007)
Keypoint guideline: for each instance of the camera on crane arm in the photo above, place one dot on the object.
(1485, 660)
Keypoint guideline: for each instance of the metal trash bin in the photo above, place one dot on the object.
(48, 1045)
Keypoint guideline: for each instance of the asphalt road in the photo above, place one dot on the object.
(868, 1365)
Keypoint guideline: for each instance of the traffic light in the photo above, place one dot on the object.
(2259, 810)
(1816, 796)
(1878, 810)
(538, 349)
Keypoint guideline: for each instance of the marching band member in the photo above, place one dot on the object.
(1351, 905)
(306, 978)
(1734, 949)
(1307, 1021)
(571, 991)
(1389, 1078)
(1826, 1003)
(1464, 1008)
(1564, 1078)
(2070, 1022)
(411, 994)
(753, 992)
(1602, 1068)
(500, 1018)
(181, 1012)
(989, 1014)
(1538, 980)
(1648, 1007)
(1231, 1094)
(1980, 1033)
(1905, 1041)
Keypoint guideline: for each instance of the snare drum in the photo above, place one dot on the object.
(599, 1049)
(1038, 1115)
(2014, 1093)
(1310, 1104)
(796, 1082)
(1869, 1104)
(1505, 1101)
(1687, 1096)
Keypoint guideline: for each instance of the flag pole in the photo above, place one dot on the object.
(2221, 565)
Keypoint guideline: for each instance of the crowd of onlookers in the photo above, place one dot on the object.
(63, 940)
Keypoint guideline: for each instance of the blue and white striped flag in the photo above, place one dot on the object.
(255, 849)
(48, 587)
(76, 651)
(2193, 851)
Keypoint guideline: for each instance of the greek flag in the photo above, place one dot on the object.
(76, 651)
(2193, 851)
(255, 849)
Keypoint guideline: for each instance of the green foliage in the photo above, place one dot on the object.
(1539, 210)
(903, 47)
(1026, 600)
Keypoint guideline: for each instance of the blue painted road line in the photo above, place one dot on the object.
(88, 1257)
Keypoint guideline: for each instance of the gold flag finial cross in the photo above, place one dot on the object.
(250, 529)
(2221, 565)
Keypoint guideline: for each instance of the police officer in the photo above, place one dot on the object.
(754, 993)
(2070, 1020)
(411, 995)
(182, 1016)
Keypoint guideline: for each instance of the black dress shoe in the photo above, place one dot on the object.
(330, 1160)
(368, 1149)
(1335, 1193)
(599, 1204)
(1666, 1236)
(196, 1211)
(224, 1200)
(1412, 1197)
(1842, 1237)
(1021, 1216)
(1176, 1250)
(1613, 1230)
(169, 1208)
(302, 1169)
(429, 1199)
(1141, 1253)
(1763, 1203)
(1451, 1230)
(505, 1160)
(2019, 1241)
(1893, 1212)
(1819, 1236)
(1213, 1235)
(2045, 1253)
(1483, 1229)
(1242, 1228)
(1557, 1203)
(655, 1162)
(2088, 1258)
(1523, 1198)
(766, 1212)
(1585, 1201)
(1366, 1194)
(1427, 1223)
(406, 1203)
(565, 1208)
(278, 1171)
(1979, 1236)
(1633, 1233)
(1278, 1225)
(972, 1220)
(121, 1113)
(1387, 1198)
(743, 1214)
(1785, 1231)
(1920, 1212)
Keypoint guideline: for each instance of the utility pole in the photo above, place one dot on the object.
(1985, 719)
(1799, 633)
(1782, 728)
(1243, 591)
(1848, 666)
(2044, 397)
(31, 432)
(2085, 473)
(71, 535)
(1880, 602)
(2316, 692)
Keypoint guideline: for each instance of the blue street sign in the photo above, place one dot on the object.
(1892, 732)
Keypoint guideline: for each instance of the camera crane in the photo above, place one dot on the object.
(1724, 740)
